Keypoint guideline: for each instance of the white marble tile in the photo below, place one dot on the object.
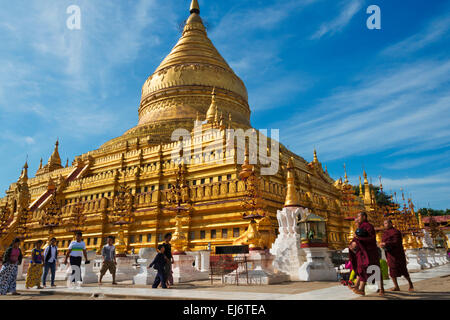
(337, 292)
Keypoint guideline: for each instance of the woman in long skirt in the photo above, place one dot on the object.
(8, 274)
(34, 273)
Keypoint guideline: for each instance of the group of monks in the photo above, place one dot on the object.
(364, 252)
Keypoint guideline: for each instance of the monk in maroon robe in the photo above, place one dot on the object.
(364, 252)
(395, 254)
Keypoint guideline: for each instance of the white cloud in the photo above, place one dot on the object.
(411, 162)
(397, 108)
(349, 9)
(437, 30)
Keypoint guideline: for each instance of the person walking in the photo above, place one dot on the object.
(76, 250)
(8, 273)
(159, 264)
(169, 258)
(364, 253)
(109, 260)
(395, 253)
(34, 273)
(50, 260)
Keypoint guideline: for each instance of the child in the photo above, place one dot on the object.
(34, 273)
(159, 264)
(109, 260)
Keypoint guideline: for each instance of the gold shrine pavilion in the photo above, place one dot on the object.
(126, 187)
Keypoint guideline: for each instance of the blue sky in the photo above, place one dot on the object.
(377, 99)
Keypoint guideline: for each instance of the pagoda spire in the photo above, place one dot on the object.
(292, 198)
(195, 7)
(54, 162)
(211, 114)
(360, 188)
(40, 164)
(315, 156)
(24, 174)
(367, 196)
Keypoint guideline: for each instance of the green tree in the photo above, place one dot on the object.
(380, 196)
(433, 212)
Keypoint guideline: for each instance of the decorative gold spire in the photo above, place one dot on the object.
(292, 198)
(360, 189)
(221, 120)
(315, 157)
(210, 115)
(381, 185)
(24, 174)
(195, 8)
(67, 163)
(367, 196)
(247, 168)
(40, 164)
(54, 162)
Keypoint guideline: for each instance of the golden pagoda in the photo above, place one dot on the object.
(193, 85)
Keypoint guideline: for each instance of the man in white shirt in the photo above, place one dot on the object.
(50, 259)
(76, 251)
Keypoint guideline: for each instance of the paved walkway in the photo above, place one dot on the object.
(332, 291)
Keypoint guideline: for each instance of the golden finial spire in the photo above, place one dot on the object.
(246, 155)
(292, 199)
(40, 164)
(54, 162)
(221, 119)
(360, 188)
(195, 7)
(67, 163)
(247, 168)
(315, 156)
(24, 174)
(367, 196)
(381, 185)
(210, 115)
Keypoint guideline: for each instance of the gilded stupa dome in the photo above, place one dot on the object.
(182, 84)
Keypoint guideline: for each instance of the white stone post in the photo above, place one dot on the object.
(145, 276)
(412, 256)
(204, 260)
(423, 261)
(87, 270)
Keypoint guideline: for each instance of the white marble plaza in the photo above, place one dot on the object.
(336, 292)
